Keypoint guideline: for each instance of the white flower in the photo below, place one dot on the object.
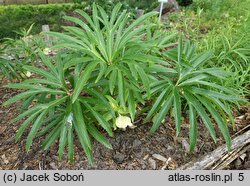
(28, 74)
(46, 51)
(123, 121)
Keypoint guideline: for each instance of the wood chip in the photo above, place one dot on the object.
(2, 129)
(185, 145)
(146, 157)
(243, 156)
(152, 163)
(5, 160)
(159, 157)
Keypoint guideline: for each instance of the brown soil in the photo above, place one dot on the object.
(132, 149)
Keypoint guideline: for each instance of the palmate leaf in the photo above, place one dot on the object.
(199, 88)
(109, 47)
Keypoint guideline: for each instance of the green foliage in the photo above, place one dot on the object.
(105, 67)
(19, 52)
(116, 49)
(184, 2)
(194, 88)
(142, 4)
(54, 114)
(7, 67)
(14, 17)
(109, 59)
(223, 27)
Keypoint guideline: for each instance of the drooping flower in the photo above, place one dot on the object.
(46, 51)
(28, 74)
(123, 121)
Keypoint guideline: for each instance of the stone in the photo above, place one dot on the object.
(136, 143)
(119, 158)
(139, 153)
(152, 163)
(185, 145)
(53, 166)
(2, 129)
(247, 165)
(237, 163)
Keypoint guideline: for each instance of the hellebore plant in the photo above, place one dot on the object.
(105, 67)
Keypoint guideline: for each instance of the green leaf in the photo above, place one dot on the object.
(79, 124)
(200, 59)
(30, 111)
(83, 142)
(144, 79)
(35, 87)
(42, 81)
(56, 102)
(70, 144)
(201, 111)
(63, 140)
(37, 124)
(177, 110)
(180, 50)
(214, 94)
(112, 81)
(226, 110)
(121, 89)
(157, 104)
(25, 124)
(21, 96)
(85, 75)
(100, 119)
(98, 136)
(193, 128)
(163, 112)
(131, 106)
(47, 62)
(193, 80)
(41, 72)
(223, 126)
(51, 123)
(52, 137)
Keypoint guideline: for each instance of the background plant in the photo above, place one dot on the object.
(14, 17)
(193, 88)
(7, 67)
(204, 22)
(22, 51)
